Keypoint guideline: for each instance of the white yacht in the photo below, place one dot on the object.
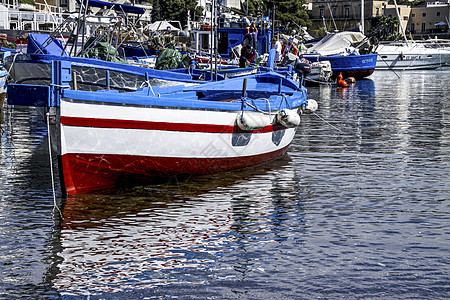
(408, 55)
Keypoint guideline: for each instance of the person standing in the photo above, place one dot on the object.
(253, 31)
(277, 46)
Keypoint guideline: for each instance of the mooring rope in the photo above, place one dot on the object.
(51, 165)
(328, 123)
(259, 110)
(389, 67)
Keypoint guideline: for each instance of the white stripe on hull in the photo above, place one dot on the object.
(162, 143)
(171, 143)
(174, 115)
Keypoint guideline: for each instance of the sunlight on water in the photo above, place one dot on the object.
(111, 243)
(357, 209)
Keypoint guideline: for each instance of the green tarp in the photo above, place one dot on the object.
(103, 51)
(171, 59)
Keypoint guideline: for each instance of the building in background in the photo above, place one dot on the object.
(428, 19)
(345, 15)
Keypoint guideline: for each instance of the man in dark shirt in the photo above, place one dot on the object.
(247, 56)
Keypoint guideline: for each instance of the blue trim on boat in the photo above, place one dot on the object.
(112, 66)
(346, 62)
(185, 100)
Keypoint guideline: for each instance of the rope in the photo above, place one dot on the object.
(12, 64)
(257, 109)
(51, 166)
(328, 123)
(149, 85)
(58, 85)
(388, 66)
(317, 81)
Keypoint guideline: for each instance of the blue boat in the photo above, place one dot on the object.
(349, 53)
(89, 73)
(107, 138)
(357, 66)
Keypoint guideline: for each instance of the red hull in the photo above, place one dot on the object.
(84, 173)
(357, 74)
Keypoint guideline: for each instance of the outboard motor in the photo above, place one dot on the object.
(303, 69)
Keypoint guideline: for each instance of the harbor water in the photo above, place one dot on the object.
(357, 209)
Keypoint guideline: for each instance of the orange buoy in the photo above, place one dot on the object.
(350, 80)
(342, 83)
(340, 77)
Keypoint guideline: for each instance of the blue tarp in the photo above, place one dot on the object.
(118, 7)
(40, 43)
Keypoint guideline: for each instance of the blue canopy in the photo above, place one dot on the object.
(41, 43)
(118, 7)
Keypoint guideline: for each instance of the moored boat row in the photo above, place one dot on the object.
(122, 121)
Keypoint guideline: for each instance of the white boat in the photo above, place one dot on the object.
(410, 55)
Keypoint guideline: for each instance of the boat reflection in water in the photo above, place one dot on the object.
(150, 236)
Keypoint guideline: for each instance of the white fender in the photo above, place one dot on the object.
(250, 120)
(288, 118)
(310, 106)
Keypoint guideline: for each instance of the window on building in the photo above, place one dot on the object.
(334, 11)
(413, 15)
(424, 14)
(423, 27)
(347, 12)
(377, 11)
(438, 14)
(413, 29)
(405, 18)
(321, 12)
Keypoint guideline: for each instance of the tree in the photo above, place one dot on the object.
(172, 10)
(385, 29)
(288, 13)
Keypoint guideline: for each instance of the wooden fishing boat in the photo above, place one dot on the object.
(107, 138)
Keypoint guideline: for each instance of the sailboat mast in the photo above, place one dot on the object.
(400, 20)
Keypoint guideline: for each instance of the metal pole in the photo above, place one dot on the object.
(216, 38)
(212, 40)
(362, 16)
